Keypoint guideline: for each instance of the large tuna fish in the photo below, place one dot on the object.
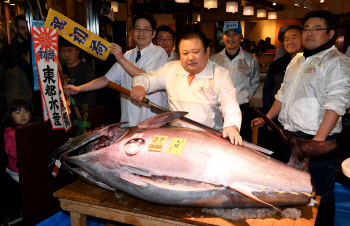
(182, 166)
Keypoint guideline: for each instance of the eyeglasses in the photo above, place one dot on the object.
(145, 30)
(164, 39)
(313, 29)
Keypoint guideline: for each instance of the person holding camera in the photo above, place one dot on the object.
(107, 96)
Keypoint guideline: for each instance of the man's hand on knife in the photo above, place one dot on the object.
(138, 93)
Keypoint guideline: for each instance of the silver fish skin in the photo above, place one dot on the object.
(207, 172)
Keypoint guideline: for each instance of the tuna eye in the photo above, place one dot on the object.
(134, 146)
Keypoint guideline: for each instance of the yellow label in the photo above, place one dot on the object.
(77, 34)
(157, 143)
(176, 145)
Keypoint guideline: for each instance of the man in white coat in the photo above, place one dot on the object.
(145, 57)
(165, 38)
(196, 85)
(244, 71)
(315, 93)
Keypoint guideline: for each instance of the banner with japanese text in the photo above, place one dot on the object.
(46, 55)
(77, 34)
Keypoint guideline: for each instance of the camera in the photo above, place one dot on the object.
(104, 7)
(104, 10)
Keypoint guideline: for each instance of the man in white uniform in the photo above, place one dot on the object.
(165, 38)
(245, 73)
(145, 57)
(314, 94)
(347, 53)
(195, 85)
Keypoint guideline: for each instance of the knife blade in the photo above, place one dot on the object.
(125, 91)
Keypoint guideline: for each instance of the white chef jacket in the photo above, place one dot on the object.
(347, 53)
(245, 73)
(173, 56)
(210, 93)
(152, 57)
(312, 86)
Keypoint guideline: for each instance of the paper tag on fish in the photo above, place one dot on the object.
(55, 171)
(157, 143)
(56, 168)
(176, 145)
(58, 163)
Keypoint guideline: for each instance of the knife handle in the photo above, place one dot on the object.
(123, 90)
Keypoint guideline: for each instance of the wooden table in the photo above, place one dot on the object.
(82, 199)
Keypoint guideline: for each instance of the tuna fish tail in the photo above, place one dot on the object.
(300, 148)
(308, 148)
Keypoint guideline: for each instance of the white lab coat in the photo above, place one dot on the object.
(347, 53)
(245, 73)
(152, 57)
(173, 56)
(210, 97)
(312, 86)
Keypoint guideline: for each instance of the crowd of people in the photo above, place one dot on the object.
(306, 88)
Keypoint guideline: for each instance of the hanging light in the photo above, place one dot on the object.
(8, 1)
(182, 1)
(232, 7)
(114, 6)
(12, 4)
(248, 11)
(261, 13)
(197, 17)
(297, 3)
(321, 1)
(274, 2)
(209, 4)
(272, 15)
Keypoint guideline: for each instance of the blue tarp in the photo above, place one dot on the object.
(62, 218)
(342, 204)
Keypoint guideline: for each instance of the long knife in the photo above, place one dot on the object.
(125, 91)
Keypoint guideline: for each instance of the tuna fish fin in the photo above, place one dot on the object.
(134, 170)
(161, 119)
(132, 179)
(248, 191)
(88, 178)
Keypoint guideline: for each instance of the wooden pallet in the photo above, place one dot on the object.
(82, 199)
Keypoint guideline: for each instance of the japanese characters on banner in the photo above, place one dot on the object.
(77, 34)
(46, 50)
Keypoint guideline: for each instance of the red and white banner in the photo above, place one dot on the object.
(46, 54)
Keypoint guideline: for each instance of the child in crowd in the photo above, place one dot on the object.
(18, 115)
